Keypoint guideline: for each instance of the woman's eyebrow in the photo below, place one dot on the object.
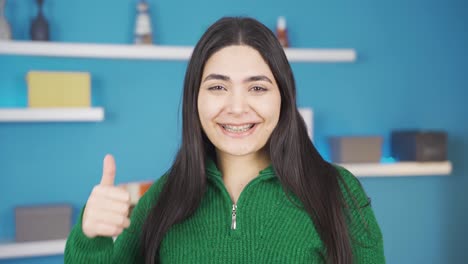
(214, 76)
(221, 77)
(258, 78)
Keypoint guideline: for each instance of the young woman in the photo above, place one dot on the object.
(247, 185)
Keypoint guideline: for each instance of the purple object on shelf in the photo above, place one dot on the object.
(37, 223)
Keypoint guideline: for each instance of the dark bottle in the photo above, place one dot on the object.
(40, 26)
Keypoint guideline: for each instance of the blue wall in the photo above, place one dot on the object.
(410, 73)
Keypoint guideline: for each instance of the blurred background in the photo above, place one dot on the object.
(410, 72)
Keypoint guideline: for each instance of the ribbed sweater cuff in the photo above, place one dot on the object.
(92, 244)
(89, 245)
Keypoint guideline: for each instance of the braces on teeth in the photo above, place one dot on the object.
(237, 129)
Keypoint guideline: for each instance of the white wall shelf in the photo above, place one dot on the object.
(85, 114)
(151, 52)
(399, 169)
(32, 249)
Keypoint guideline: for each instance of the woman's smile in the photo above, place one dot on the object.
(238, 131)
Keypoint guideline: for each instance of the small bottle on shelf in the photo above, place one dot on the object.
(282, 32)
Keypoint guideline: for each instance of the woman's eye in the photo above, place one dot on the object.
(258, 89)
(216, 88)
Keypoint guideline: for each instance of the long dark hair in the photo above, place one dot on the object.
(298, 165)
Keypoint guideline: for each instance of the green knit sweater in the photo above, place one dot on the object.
(264, 227)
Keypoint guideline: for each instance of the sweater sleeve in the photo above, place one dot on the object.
(365, 234)
(80, 249)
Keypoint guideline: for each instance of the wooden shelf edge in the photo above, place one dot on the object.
(151, 52)
(399, 169)
(32, 249)
(68, 114)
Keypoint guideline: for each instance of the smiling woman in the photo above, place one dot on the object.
(247, 185)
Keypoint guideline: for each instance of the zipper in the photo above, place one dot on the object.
(234, 205)
(234, 214)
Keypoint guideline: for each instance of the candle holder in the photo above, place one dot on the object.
(40, 26)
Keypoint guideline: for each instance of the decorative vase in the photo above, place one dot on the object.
(5, 30)
(143, 24)
(40, 26)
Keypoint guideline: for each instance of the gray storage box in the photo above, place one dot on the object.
(356, 149)
(37, 223)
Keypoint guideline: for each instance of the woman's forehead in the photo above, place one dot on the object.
(237, 62)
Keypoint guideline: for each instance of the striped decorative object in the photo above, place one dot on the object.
(136, 190)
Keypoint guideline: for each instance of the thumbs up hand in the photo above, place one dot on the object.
(106, 211)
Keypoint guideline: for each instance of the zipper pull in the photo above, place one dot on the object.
(234, 212)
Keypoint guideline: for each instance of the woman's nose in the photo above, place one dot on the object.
(237, 104)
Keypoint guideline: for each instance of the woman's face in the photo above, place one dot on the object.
(239, 101)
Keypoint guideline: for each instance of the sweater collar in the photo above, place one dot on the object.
(212, 171)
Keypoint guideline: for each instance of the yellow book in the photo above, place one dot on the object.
(59, 89)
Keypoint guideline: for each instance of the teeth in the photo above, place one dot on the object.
(237, 128)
